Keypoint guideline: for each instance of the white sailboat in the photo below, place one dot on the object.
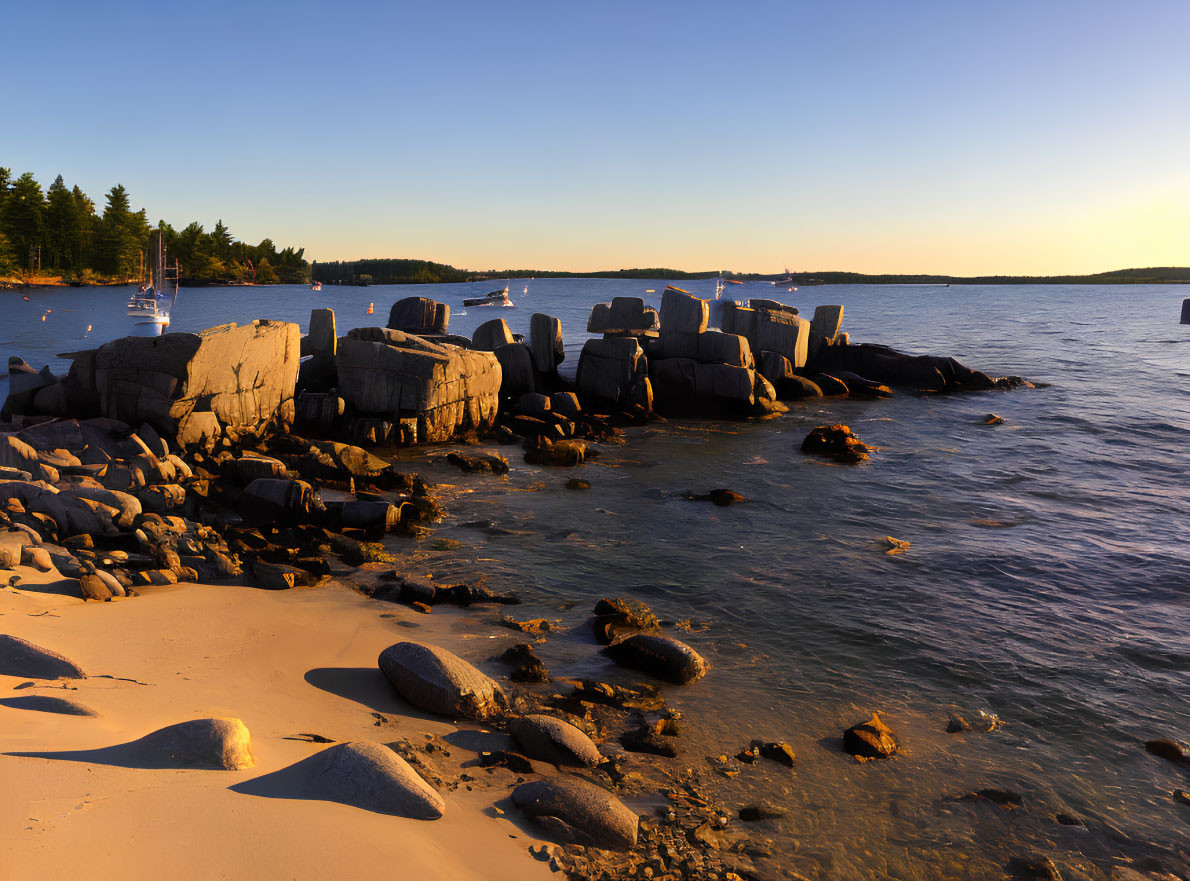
(150, 304)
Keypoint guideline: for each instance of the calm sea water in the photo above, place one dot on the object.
(1047, 581)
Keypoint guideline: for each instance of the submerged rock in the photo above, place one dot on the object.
(555, 741)
(436, 680)
(661, 656)
(836, 441)
(870, 740)
(574, 811)
(18, 657)
(1168, 749)
(372, 776)
(615, 616)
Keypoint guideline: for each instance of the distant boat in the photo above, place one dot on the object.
(149, 303)
(788, 282)
(317, 286)
(495, 298)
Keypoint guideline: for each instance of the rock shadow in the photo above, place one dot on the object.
(62, 586)
(47, 704)
(366, 686)
(476, 741)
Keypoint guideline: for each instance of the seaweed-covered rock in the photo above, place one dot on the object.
(441, 682)
(553, 740)
(661, 656)
(574, 811)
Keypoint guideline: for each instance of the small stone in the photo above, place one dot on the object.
(957, 723)
(757, 812)
(1168, 749)
(991, 419)
(779, 751)
(724, 497)
(421, 607)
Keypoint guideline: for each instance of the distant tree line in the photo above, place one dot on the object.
(356, 272)
(59, 232)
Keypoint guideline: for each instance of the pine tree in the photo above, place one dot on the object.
(24, 218)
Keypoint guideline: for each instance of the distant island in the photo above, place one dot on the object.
(397, 271)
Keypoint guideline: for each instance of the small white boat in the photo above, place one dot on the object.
(495, 298)
(151, 303)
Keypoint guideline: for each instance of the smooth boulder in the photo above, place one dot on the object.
(577, 812)
(555, 741)
(870, 740)
(214, 744)
(437, 680)
(371, 776)
(661, 656)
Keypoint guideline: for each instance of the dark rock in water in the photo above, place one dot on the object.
(661, 656)
(830, 386)
(418, 589)
(861, 385)
(991, 419)
(645, 740)
(371, 776)
(1004, 798)
(796, 387)
(1168, 749)
(1186, 311)
(436, 680)
(725, 497)
(562, 453)
(887, 366)
(555, 741)
(529, 667)
(836, 441)
(778, 751)
(956, 723)
(870, 740)
(490, 464)
(19, 657)
(1068, 820)
(47, 704)
(578, 483)
(218, 744)
(753, 813)
(591, 691)
(615, 616)
(1034, 867)
(518, 764)
(574, 811)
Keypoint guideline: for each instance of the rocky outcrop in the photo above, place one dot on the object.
(553, 740)
(882, 365)
(545, 343)
(576, 812)
(436, 680)
(393, 374)
(613, 370)
(681, 312)
(624, 316)
(419, 315)
(186, 386)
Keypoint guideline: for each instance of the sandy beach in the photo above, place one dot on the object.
(287, 663)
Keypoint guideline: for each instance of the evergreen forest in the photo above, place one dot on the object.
(59, 232)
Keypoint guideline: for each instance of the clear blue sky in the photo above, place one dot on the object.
(1046, 136)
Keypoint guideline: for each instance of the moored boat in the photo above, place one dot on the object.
(495, 298)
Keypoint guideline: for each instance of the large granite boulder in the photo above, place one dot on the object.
(624, 316)
(783, 333)
(214, 744)
(577, 812)
(245, 376)
(682, 312)
(824, 327)
(419, 315)
(490, 335)
(661, 656)
(545, 342)
(608, 369)
(437, 680)
(393, 374)
(516, 369)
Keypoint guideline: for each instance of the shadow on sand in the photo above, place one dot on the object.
(366, 686)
